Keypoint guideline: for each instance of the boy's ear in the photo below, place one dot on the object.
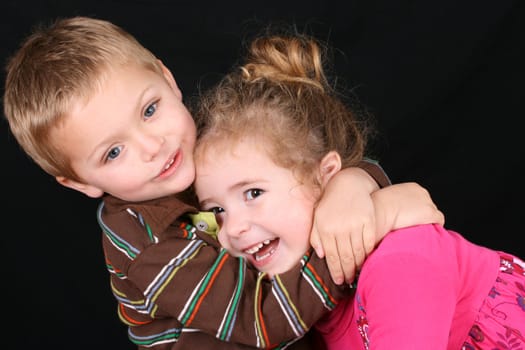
(171, 80)
(330, 165)
(88, 190)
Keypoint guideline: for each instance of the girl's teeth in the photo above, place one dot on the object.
(259, 258)
(254, 249)
(257, 247)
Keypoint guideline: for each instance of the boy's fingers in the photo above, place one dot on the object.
(332, 258)
(333, 262)
(347, 260)
(369, 240)
(315, 241)
(364, 243)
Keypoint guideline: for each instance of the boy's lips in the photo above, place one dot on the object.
(171, 165)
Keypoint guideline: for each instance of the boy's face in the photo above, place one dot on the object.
(263, 212)
(133, 139)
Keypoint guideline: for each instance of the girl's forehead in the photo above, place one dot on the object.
(224, 145)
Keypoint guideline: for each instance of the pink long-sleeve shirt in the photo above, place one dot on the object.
(420, 289)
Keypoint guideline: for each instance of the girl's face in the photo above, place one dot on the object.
(264, 213)
(133, 138)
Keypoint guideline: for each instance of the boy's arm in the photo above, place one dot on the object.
(349, 221)
(402, 205)
(344, 228)
(375, 171)
(169, 285)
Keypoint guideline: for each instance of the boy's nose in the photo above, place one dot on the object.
(150, 145)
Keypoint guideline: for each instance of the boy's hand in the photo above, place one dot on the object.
(402, 205)
(344, 227)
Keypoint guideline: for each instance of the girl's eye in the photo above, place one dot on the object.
(113, 153)
(216, 210)
(150, 110)
(253, 193)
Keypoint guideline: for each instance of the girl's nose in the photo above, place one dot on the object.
(235, 225)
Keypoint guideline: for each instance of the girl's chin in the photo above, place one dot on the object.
(275, 264)
(275, 269)
(267, 265)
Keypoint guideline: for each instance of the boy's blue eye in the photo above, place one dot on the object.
(113, 153)
(150, 110)
(253, 193)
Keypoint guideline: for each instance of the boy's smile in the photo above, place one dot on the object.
(263, 212)
(171, 165)
(133, 137)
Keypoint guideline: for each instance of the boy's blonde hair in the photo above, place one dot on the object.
(281, 96)
(56, 67)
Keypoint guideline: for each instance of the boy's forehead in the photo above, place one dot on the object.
(105, 80)
(84, 92)
(111, 100)
(116, 71)
(86, 107)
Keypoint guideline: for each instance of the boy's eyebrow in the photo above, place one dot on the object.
(108, 140)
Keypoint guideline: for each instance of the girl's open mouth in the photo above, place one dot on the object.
(263, 249)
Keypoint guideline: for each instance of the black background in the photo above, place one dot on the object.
(444, 80)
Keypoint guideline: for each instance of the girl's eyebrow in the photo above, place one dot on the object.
(233, 188)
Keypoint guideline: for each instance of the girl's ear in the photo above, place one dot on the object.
(171, 80)
(88, 190)
(330, 165)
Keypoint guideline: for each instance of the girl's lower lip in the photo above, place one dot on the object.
(262, 263)
(177, 159)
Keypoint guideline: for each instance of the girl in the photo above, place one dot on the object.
(284, 132)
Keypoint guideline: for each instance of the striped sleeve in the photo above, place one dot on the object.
(173, 285)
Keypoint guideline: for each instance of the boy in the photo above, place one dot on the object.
(101, 114)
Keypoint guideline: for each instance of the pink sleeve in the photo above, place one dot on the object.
(409, 301)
